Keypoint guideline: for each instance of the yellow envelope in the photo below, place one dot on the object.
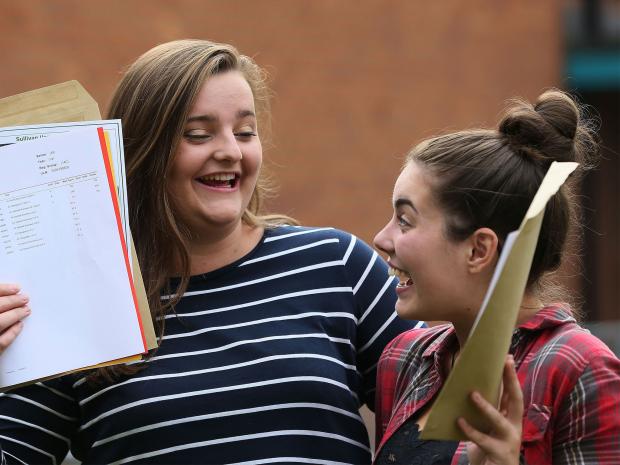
(481, 362)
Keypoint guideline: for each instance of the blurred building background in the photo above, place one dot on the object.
(591, 55)
(357, 83)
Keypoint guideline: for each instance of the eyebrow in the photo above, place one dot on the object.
(401, 202)
(212, 119)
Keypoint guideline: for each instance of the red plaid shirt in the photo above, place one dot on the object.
(570, 382)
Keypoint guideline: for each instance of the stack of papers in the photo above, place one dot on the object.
(65, 238)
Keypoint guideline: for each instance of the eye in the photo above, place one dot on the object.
(197, 135)
(245, 135)
(402, 222)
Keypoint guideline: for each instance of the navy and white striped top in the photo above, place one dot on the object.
(267, 360)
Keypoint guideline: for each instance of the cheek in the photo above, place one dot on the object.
(188, 158)
(448, 269)
(179, 177)
(410, 250)
(176, 184)
(178, 170)
(253, 161)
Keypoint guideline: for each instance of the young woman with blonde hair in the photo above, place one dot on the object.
(269, 333)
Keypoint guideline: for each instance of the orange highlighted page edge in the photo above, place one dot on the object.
(143, 305)
(108, 168)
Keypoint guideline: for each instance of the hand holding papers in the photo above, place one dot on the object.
(62, 240)
(69, 102)
(481, 362)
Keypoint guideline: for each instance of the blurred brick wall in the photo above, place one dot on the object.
(356, 82)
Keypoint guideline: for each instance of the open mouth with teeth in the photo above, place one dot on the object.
(404, 280)
(220, 180)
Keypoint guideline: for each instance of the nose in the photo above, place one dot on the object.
(383, 240)
(227, 149)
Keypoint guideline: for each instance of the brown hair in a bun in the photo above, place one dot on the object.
(551, 130)
(488, 178)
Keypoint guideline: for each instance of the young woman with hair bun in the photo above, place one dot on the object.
(455, 201)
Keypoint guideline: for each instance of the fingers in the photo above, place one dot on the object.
(7, 337)
(485, 441)
(8, 289)
(497, 420)
(13, 310)
(502, 445)
(11, 301)
(9, 317)
(513, 399)
(484, 448)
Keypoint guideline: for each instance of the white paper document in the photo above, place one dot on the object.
(11, 135)
(61, 239)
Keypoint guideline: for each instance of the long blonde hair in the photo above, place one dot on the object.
(153, 100)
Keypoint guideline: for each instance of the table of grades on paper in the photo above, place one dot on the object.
(50, 195)
(28, 214)
(49, 161)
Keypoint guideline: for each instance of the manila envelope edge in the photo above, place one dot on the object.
(132, 358)
(66, 102)
(138, 282)
(492, 334)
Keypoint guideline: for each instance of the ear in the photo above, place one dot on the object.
(482, 250)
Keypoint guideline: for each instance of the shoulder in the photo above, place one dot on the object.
(332, 242)
(414, 342)
(406, 354)
(568, 357)
(571, 348)
(554, 340)
(304, 234)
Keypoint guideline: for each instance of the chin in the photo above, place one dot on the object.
(222, 215)
(406, 311)
(413, 310)
(205, 223)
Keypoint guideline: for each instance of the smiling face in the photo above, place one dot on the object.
(432, 270)
(217, 162)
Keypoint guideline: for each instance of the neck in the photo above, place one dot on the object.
(211, 250)
(530, 305)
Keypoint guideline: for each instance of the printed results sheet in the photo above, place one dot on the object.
(60, 238)
(11, 135)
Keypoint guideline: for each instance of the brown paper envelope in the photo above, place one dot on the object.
(59, 103)
(143, 302)
(68, 102)
(481, 362)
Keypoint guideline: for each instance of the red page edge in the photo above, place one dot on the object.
(108, 169)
